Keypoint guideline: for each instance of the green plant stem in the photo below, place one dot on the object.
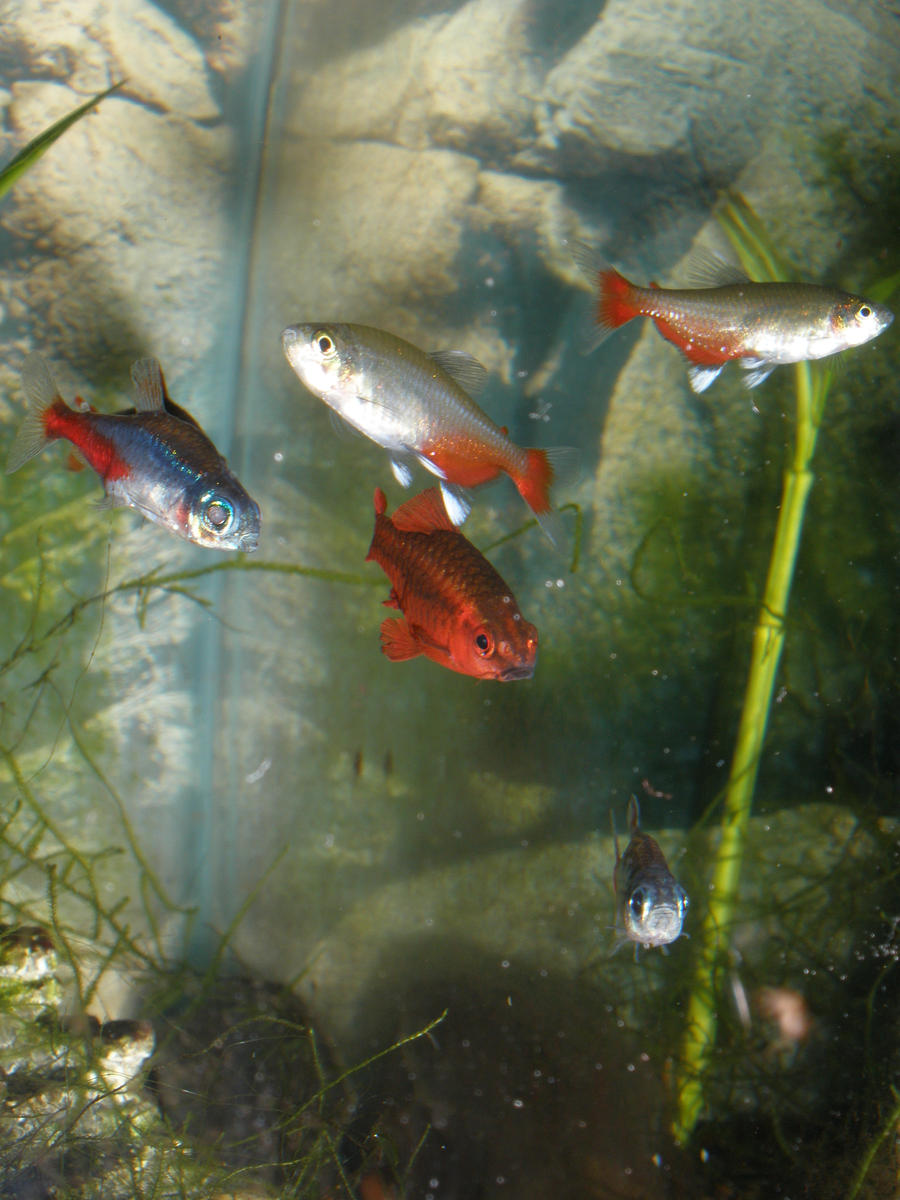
(768, 642)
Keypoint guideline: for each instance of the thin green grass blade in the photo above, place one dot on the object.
(29, 154)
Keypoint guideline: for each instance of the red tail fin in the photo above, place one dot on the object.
(615, 300)
(534, 483)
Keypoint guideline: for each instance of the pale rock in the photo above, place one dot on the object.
(89, 46)
(691, 80)
(161, 63)
(466, 82)
(137, 235)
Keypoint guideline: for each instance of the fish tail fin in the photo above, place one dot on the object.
(616, 303)
(544, 469)
(615, 300)
(43, 398)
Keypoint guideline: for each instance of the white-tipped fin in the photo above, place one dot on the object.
(41, 393)
(756, 371)
(466, 370)
(401, 472)
(149, 388)
(456, 502)
(701, 377)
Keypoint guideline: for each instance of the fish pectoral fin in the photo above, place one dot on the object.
(149, 386)
(756, 371)
(701, 377)
(397, 640)
(341, 427)
(466, 370)
(402, 472)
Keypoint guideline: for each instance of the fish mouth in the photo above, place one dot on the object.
(519, 671)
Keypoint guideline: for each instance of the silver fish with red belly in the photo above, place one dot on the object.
(418, 406)
(457, 610)
(759, 325)
(154, 458)
(650, 900)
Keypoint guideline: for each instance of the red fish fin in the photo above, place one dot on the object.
(534, 483)
(397, 641)
(615, 299)
(423, 513)
(393, 600)
(634, 814)
(43, 401)
(380, 502)
(75, 461)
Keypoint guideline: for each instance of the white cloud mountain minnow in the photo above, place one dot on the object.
(761, 325)
(155, 458)
(650, 900)
(417, 406)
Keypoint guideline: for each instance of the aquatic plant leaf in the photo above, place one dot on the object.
(29, 154)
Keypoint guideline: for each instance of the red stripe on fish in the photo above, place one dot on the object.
(60, 421)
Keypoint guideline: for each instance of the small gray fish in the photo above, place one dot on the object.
(648, 896)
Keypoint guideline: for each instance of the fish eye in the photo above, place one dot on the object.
(324, 343)
(636, 902)
(483, 643)
(864, 311)
(216, 514)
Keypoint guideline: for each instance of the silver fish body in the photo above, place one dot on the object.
(419, 407)
(650, 900)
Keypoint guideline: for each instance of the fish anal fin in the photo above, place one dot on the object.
(424, 513)
(397, 641)
(467, 371)
(149, 385)
(456, 502)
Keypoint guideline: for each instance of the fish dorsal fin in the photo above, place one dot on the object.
(634, 814)
(423, 513)
(466, 370)
(707, 269)
(149, 386)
